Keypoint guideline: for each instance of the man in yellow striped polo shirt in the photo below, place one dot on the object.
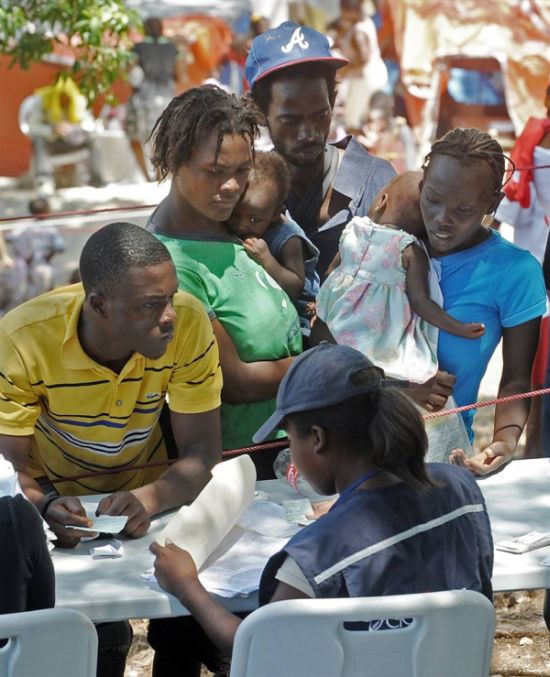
(84, 373)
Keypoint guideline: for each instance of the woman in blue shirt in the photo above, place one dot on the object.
(483, 279)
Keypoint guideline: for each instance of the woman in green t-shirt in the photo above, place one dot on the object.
(204, 142)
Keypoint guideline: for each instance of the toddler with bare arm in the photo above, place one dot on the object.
(382, 295)
(273, 240)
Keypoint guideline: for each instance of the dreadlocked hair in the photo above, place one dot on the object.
(191, 117)
(469, 146)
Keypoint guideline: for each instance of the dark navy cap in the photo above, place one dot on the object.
(322, 376)
(284, 46)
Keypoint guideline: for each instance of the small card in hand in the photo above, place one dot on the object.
(105, 524)
(297, 509)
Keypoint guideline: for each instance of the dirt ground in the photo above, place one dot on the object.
(520, 648)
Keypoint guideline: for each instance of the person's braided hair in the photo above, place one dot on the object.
(190, 117)
(469, 146)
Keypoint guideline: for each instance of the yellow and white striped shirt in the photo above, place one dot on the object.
(85, 417)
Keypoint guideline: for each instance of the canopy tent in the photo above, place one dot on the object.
(515, 32)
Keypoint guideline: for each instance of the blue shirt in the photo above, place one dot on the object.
(498, 284)
(276, 237)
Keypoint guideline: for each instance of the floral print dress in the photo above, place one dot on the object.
(365, 305)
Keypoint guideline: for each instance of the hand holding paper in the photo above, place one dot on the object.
(68, 520)
(201, 526)
(125, 503)
(174, 568)
(104, 524)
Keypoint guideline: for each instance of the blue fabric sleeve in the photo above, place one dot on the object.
(521, 295)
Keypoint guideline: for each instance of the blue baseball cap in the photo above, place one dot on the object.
(284, 46)
(322, 376)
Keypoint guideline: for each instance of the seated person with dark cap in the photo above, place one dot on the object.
(350, 432)
(292, 72)
(85, 373)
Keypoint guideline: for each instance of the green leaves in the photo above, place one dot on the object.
(95, 32)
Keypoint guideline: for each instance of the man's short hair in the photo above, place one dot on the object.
(261, 91)
(113, 250)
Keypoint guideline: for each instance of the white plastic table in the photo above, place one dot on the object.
(518, 500)
(113, 589)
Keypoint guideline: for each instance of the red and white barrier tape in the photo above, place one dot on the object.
(280, 443)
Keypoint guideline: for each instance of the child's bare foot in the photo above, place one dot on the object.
(473, 330)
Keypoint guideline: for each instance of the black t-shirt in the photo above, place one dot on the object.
(157, 59)
(27, 579)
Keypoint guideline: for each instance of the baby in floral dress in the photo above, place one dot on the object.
(382, 296)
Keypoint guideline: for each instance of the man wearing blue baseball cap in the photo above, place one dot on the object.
(292, 73)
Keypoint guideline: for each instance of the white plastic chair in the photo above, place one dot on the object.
(81, 158)
(451, 636)
(48, 643)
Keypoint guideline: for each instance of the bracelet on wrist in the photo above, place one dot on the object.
(46, 504)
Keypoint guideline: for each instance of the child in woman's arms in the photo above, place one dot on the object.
(381, 296)
(277, 243)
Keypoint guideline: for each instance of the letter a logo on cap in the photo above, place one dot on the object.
(297, 38)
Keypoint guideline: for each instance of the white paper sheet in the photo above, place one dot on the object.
(201, 526)
(269, 519)
(235, 567)
(297, 509)
(104, 524)
(113, 550)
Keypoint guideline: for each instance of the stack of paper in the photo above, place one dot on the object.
(201, 526)
(235, 566)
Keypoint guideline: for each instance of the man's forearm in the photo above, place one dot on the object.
(179, 485)
(32, 490)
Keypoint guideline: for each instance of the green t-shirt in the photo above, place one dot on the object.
(256, 313)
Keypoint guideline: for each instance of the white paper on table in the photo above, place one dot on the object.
(201, 526)
(525, 543)
(269, 519)
(297, 509)
(236, 564)
(235, 567)
(113, 550)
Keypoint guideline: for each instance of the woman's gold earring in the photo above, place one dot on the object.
(487, 220)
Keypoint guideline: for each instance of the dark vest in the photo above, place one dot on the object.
(396, 541)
